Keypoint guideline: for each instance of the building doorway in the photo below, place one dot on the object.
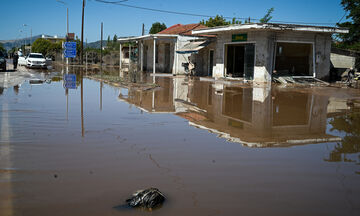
(294, 59)
(167, 58)
(211, 63)
(240, 60)
(145, 50)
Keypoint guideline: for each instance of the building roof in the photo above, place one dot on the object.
(180, 29)
(270, 26)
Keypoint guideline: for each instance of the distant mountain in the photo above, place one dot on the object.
(9, 44)
(95, 44)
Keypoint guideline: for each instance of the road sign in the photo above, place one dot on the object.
(70, 81)
(70, 36)
(69, 53)
(69, 49)
(69, 45)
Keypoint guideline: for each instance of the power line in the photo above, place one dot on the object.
(342, 17)
(111, 2)
(202, 15)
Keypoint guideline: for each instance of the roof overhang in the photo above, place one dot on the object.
(193, 47)
(271, 26)
(147, 37)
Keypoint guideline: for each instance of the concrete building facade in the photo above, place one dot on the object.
(259, 51)
(157, 52)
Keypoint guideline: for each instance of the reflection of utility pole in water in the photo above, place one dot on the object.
(101, 87)
(67, 95)
(101, 82)
(82, 104)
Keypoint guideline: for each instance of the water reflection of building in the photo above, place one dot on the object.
(255, 117)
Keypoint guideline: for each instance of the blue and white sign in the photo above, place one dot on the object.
(70, 53)
(69, 45)
(69, 49)
(70, 81)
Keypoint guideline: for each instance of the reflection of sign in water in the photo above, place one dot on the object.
(70, 81)
(239, 37)
(69, 49)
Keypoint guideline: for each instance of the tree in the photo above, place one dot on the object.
(157, 27)
(235, 21)
(218, 20)
(108, 41)
(352, 39)
(115, 38)
(41, 45)
(2, 49)
(267, 16)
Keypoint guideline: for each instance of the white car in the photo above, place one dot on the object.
(35, 60)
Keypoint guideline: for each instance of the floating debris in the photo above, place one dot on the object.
(149, 198)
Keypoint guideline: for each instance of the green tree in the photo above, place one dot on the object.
(267, 16)
(2, 49)
(235, 21)
(157, 27)
(115, 38)
(352, 39)
(108, 43)
(41, 45)
(218, 20)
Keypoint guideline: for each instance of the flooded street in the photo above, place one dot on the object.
(213, 148)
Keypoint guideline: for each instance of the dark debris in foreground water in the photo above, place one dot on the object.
(150, 198)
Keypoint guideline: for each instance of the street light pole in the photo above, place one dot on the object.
(26, 25)
(67, 25)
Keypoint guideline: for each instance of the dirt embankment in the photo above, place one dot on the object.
(122, 82)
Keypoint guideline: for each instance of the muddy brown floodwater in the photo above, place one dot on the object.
(211, 148)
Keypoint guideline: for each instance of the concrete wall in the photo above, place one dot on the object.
(202, 60)
(264, 51)
(342, 61)
(161, 65)
(322, 55)
(176, 60)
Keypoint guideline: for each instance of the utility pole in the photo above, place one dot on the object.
(101, 45)
(82, 35)
(67, 31)
(143, 29)
(30, 39)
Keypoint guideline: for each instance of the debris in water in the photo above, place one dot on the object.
(149, 198)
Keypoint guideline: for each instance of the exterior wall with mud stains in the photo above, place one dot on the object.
(264, 41)
(161, 65)
(164, 57)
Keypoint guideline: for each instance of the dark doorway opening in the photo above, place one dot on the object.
(167, 58)
(145, 58)
(294, 59)
(211, 62)
(240, 60)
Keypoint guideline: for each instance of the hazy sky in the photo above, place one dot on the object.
(49, 16)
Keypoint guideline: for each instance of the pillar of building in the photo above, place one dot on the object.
(154, 56)
(129, 56)
(120, 57)
(142, 56)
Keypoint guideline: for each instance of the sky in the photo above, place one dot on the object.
(49, 16)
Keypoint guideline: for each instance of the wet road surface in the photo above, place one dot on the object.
(211, 148)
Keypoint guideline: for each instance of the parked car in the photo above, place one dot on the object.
(2, 61)
(35, 60)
